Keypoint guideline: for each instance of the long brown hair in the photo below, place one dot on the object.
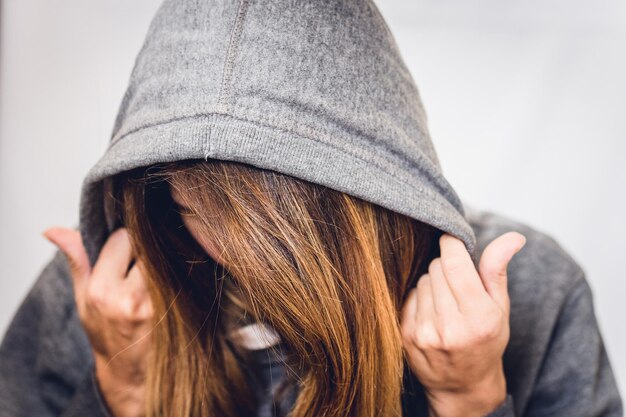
(328, 271)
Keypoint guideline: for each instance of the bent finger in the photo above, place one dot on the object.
(460, 273)
(136, 278)
(115, 256)
(425, 307)
(407, 314)
(443, 299)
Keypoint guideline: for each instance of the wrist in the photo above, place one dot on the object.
(476, 401)
(120, 373)
(123, 396)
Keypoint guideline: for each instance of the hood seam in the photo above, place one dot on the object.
(264, 121)
(233, 43)
(436, 197)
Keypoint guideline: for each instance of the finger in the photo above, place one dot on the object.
(460, 272)
(419, 363)
(425, 308)
(116, 255)
(134, 300)
(69, 241)
(136, 277)
(145, 312)
(135, 283)
(443, 298)
(493, 266)
(407, 314)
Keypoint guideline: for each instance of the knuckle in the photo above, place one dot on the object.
(406, 333)
(486, 332)
(134, 309)
(426, 344)
(452, 264)
(145, 310)
(95, 297)
(126, 309)
(450, 340)
(434, 265)
(419, 287)
(136, 297)
(425, 337)
(407, 337)
(147, 313)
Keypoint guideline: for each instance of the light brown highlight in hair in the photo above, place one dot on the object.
(328, 271)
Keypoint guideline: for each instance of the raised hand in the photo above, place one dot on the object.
(116, 313)
(455, 327)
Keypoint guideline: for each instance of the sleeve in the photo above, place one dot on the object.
(575, 378)
(45, 357)
(505, 409)
(87, 399)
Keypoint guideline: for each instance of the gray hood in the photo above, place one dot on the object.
(314, 89)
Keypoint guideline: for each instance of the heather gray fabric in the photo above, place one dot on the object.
(555, 363)
(313, 89)
(317, 90)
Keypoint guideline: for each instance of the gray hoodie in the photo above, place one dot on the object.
(317, 90)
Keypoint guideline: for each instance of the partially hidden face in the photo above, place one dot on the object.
(190, 220)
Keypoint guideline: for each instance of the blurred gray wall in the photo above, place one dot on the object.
(526, 103)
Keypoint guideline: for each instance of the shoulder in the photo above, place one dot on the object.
(53, 287)
(48, 305)
(44, 347)
(547, 288)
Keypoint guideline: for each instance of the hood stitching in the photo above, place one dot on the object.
(266, 121)
(253, 115)
(233, 43)
(436, 197)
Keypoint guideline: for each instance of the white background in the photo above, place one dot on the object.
(526, 104)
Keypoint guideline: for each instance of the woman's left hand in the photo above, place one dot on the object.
(455, 327)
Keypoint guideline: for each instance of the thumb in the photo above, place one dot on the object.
(493, 264)
(70, 243)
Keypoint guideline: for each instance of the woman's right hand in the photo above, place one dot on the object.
(116, 312)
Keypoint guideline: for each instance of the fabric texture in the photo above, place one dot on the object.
(317, 90)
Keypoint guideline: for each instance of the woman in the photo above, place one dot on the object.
(271, 165)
